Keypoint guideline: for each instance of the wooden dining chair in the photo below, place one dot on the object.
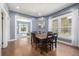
(50, 39)
(55, 37)
(33, 37)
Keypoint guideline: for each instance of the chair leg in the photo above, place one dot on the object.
(51, 45)
(36, 45)
(55, 43)
(31, 40)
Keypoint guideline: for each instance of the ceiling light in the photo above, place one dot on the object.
(39, 14)
(34, 10)
(17, 7)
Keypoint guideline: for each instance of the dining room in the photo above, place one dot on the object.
(50, 30)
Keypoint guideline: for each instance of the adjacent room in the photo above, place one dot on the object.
(39, 29)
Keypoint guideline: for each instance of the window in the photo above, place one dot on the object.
(62, 25)
(23, 28)
(55, 26)
(65, 26)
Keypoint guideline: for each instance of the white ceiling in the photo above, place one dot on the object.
(37, 9)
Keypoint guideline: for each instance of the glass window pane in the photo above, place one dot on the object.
(66, 26)
(55, 25)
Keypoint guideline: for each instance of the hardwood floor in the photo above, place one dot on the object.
(0, 51)
(22, 47)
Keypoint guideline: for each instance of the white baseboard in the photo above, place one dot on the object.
(5, 45)
(70, 44)
(12, 39)
(65, 43)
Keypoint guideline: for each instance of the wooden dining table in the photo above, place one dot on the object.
(41, 36)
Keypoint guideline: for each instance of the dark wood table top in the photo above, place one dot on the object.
(41, 36)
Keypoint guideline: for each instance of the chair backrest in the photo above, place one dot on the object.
(55, 35)
(49, 32)
(33, 35)
(49, 35)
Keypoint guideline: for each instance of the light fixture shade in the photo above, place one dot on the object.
(17, 7)
(41, 22)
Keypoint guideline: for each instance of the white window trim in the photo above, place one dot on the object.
(25, 19)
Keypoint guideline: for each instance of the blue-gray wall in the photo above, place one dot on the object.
(12, 25)
(35, 25)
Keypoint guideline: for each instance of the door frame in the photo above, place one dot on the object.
(0, 32)
(4, 41)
